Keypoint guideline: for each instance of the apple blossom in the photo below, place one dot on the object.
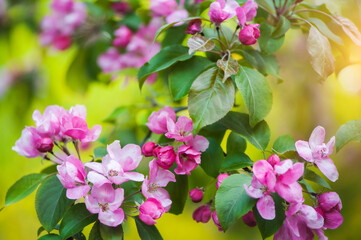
(180, 129)
(147, 149)
(157, 121)
(202, 214)
(165, 157)
(247, 12)
(221, 10)
(249, 34)
(150, 210)
(27, 144)
(163, 7)
(123, 36)
(49, 124)
(220, 179)
(196, 195)
(187, 160)
(194, 27)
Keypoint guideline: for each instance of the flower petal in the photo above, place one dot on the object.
(317, 137)
(328, 168)
(304, 150)
(266, 207)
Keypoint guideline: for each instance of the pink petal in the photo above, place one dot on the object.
(96, 166)
(134, 176)
(333, 219)
(97, 179)
(304, 150)
(312, 218)
(328, 168)
(330, 145)
(290, 192)
(77, 192)
(266, 207)
(260, 169)
(114, 150)
(199, 143)
(164, 177)
(130, 157)
(104, 193)
(253, 192)
(283, 167)
(293, 174)
(111, 219)
(91, 204)
(321, 234)
(317, 137)
(147, 219)
(118, 199)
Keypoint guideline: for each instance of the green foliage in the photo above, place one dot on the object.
(264, 63)
(255, 92)
(178, 192)
(147, 232)
(232, 201)
(267, 44)
(102, 232)
(23, 187)
(215, 131)
(348, 132)
(258, 135)
(282, 27)
(283, 144)
(235, 161)
(236, 143)
(270, 227)
(184, 73)
(51, 202)
(163, 60)
(209, 98)
(212, 158)
(50, 236)
(314, 177)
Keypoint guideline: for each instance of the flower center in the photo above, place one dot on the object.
(104, 207)
(112, 173)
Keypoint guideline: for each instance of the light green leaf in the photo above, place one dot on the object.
(314, 177)
(267, 44)
(284, 143)
(235, 161)
(209, 99)
(348, 132)
(265, 64)
(255, 92)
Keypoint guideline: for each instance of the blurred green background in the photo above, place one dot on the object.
(300, 104)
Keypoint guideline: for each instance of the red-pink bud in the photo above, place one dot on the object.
(123, 36)
(273, 159)
(165, 157)
(216, 221)
(148, 148)
(62, 42)
(196, 195)
(44, 145)
(121, 7)
(249, 34)
(249, 219)
(220, 179)
(194, 26)
(202, 214)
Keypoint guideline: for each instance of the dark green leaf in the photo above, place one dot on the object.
(282, 27)
(267, 44)
(103, 232)
(256, 93)
(203, 6)
(147, 232)
(100, 152)
(178, 192)
(265, 64)
(284, 143)
(348, 132)
(236, 143)
(259, 135)
(75, 219)
(40, 230)
(23, 187)
(209, 99)
(314, 177)
(95, 232)
(163, 60)
(232, 201)
(270, 227)
(174, 35)
(184, 73)
(51, 202)
(212, 158)
(50, 236)
(235, 161)
(215, 131)
(50, 169)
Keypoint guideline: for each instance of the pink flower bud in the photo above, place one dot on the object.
(220, 179)
(123, 36)
(216, 221)
(120, 7)
(62, 42)
(166, 157)
(273, 159)
(194, 26)
(328, 201)
(156, 150)
(147, 149)
(44, 145)
(202, 214)
(151, 209)
(249, 219)
(196, 195)
(249, 34)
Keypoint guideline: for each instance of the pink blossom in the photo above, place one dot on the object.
(150, 210)
(317, 152)
(163, 7)
(72, 176)
(220, 179)
(194, 27)
(196, 195)
(153, 187)
(75, 126)
(120, 7)
(44, 145)
(26, 145)
(157, 121)
(249, 219)
(202, 214)
(148, 148)
(187, 160)
(123, 36)
(176, 16)
(221, 10)
(106, 201)
(165, 157)
(249, 34)
(199, 143)
(216, 221)
(110, 61)
(49, 124)
(329, 206)
(273, 160)
(247, 12)
(117, 166)
(180, 130)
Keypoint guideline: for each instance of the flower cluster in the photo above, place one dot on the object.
(58, 27)
(168, 9)
(55, 126)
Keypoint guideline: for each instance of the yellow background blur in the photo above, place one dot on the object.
(300, 104)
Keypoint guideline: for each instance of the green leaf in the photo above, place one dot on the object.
(178, 192)
(319, 48)
(100, 152)
(270, 227)
(256, 93)
(267, 44)
(23, 187)
(75, 219)
(50, 236)
(259, 135)
(284, 143)
(184, 73)
(265, 64)
(212, 158)
(282, 27)
(147, 232)
(229, 67)
(40, 230)
(235, 161)
(50, 169)
(117, 113)
(215, 131)
(203, 6)
(95, 232)
(232, 201)
(200, 43)
(348, 132)
(350, 29)
(163, 60)
(314, 177)
(236, 143)
(103, 232)
(51, 202)
(174, 35)
(209, 99)
(325, 30)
